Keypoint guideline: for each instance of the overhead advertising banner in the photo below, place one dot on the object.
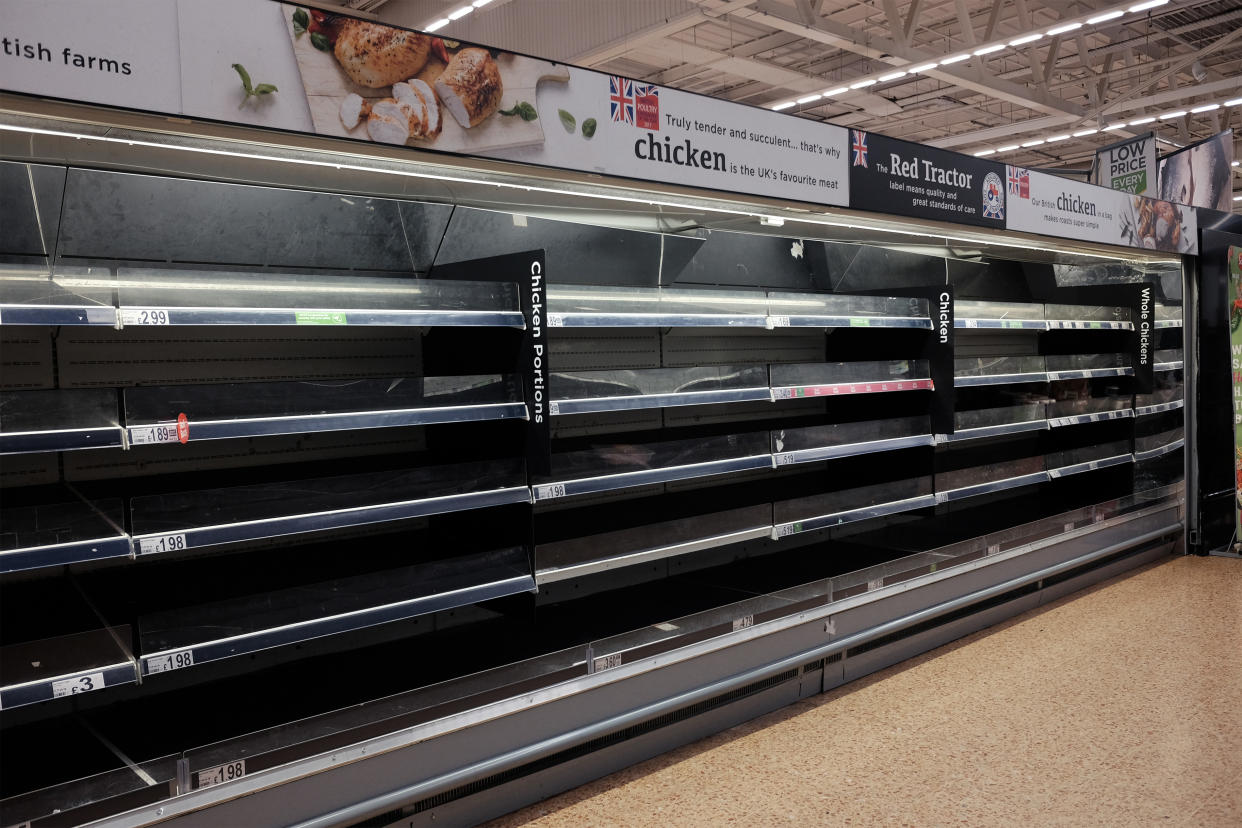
(1129, 166)
(1055, 206)
(290, 67)
(899, 177)
(1235, 347)
(1201, 174)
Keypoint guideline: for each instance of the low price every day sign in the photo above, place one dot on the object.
(1129, 166)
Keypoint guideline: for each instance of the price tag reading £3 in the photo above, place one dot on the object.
(81, 684)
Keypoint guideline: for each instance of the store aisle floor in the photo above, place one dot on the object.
(1121, 705)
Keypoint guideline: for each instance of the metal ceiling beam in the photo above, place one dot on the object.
(655, 31)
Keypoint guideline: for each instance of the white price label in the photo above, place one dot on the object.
(221, 774)
(550, 492)
(556, 320)
(144, 316)
(972, 323)
(875, 583)
(170, 661)
(162, 543)
(81, 684)
(785, 459)
(154, 434)
(607, 662)
(993, 548)
(782, 393)
(743, 622)
(778, 321)
(1069, 527)
(555, 408)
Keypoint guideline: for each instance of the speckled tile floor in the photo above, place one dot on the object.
(1120, 705)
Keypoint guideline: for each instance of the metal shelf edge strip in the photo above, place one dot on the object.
(41, 690)
(804, 321)
(65, 439)
(1087, 373)
(303, 423)
(1168, 323)
(1169, 366)
(655, 320)
(790, 392)
(1144, 410)
(344, 622)
(589, 405)
(56, 554)
(603, 483)
(983, 323)
(562, 573)
(1089, 325)
(810, 455)
(1090, 465)
(57, 315)
(794, 527)
(1098, 416)
(993, 486)
(324, 316)
(337, 518)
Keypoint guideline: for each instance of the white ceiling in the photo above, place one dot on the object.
(1177, 56)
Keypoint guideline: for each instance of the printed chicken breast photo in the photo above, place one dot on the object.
(373, 82)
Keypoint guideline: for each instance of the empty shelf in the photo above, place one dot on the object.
(1000, 370)
(618, 307)
(807, 445)
(991, 422)
(1090, 458)
(559, 560)
(187, 636)
(827, 310)
(1154, 445)
(805, 514)
(581, 392)
(172, 297)
(1088, 317)
(982, 480)
(32, 295)
(1157, 408)
(836, 378)
(970, 313)
(63, 533)
(256, 409)
(607, 468)
(1169, 359)
(68, 665)
(1168, 316)
(186, 520)
(58, 420)
(1075, 411)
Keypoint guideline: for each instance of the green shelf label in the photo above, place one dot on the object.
(321, 318)
(857, 322)
(1012, 323)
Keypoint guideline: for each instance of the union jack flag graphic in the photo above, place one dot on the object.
(859, 147)
(621, 99)
(1019, 182)
(650, 90)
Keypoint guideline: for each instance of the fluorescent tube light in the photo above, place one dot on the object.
(1009, 148)
(840, 90)
(1084, 132)
(1112, 15)
(1205, 108)
(1068, 27)
(1031, 38)
(1234, 102)
(1179, 113)
(1034, 143)
(863, 84)
(1141, 121)
(924, 68)
(1116, 125)
(1149, 4)
(460, 13)
(981, 153)
(437, 25)
(778, 107)
(1052, 139)
(987, 50)
(478, 4)
(954, 59)
(893, 76)
(808, 99)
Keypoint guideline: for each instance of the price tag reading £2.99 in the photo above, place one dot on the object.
(144, 316)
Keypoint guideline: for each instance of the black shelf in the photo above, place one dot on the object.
(55, 534)
(58, 420)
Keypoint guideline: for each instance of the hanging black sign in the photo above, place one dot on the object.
(903, 178)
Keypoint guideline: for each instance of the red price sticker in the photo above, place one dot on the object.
(183, 428)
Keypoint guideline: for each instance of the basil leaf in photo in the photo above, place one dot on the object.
(588, 128)
(567, 120)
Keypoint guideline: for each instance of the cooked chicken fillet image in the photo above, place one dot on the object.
(374, 55)
(392, 123)
(470, 86)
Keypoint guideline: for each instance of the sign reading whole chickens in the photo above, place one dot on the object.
(1056, 206)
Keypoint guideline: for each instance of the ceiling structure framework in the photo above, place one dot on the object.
(1040, 83)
